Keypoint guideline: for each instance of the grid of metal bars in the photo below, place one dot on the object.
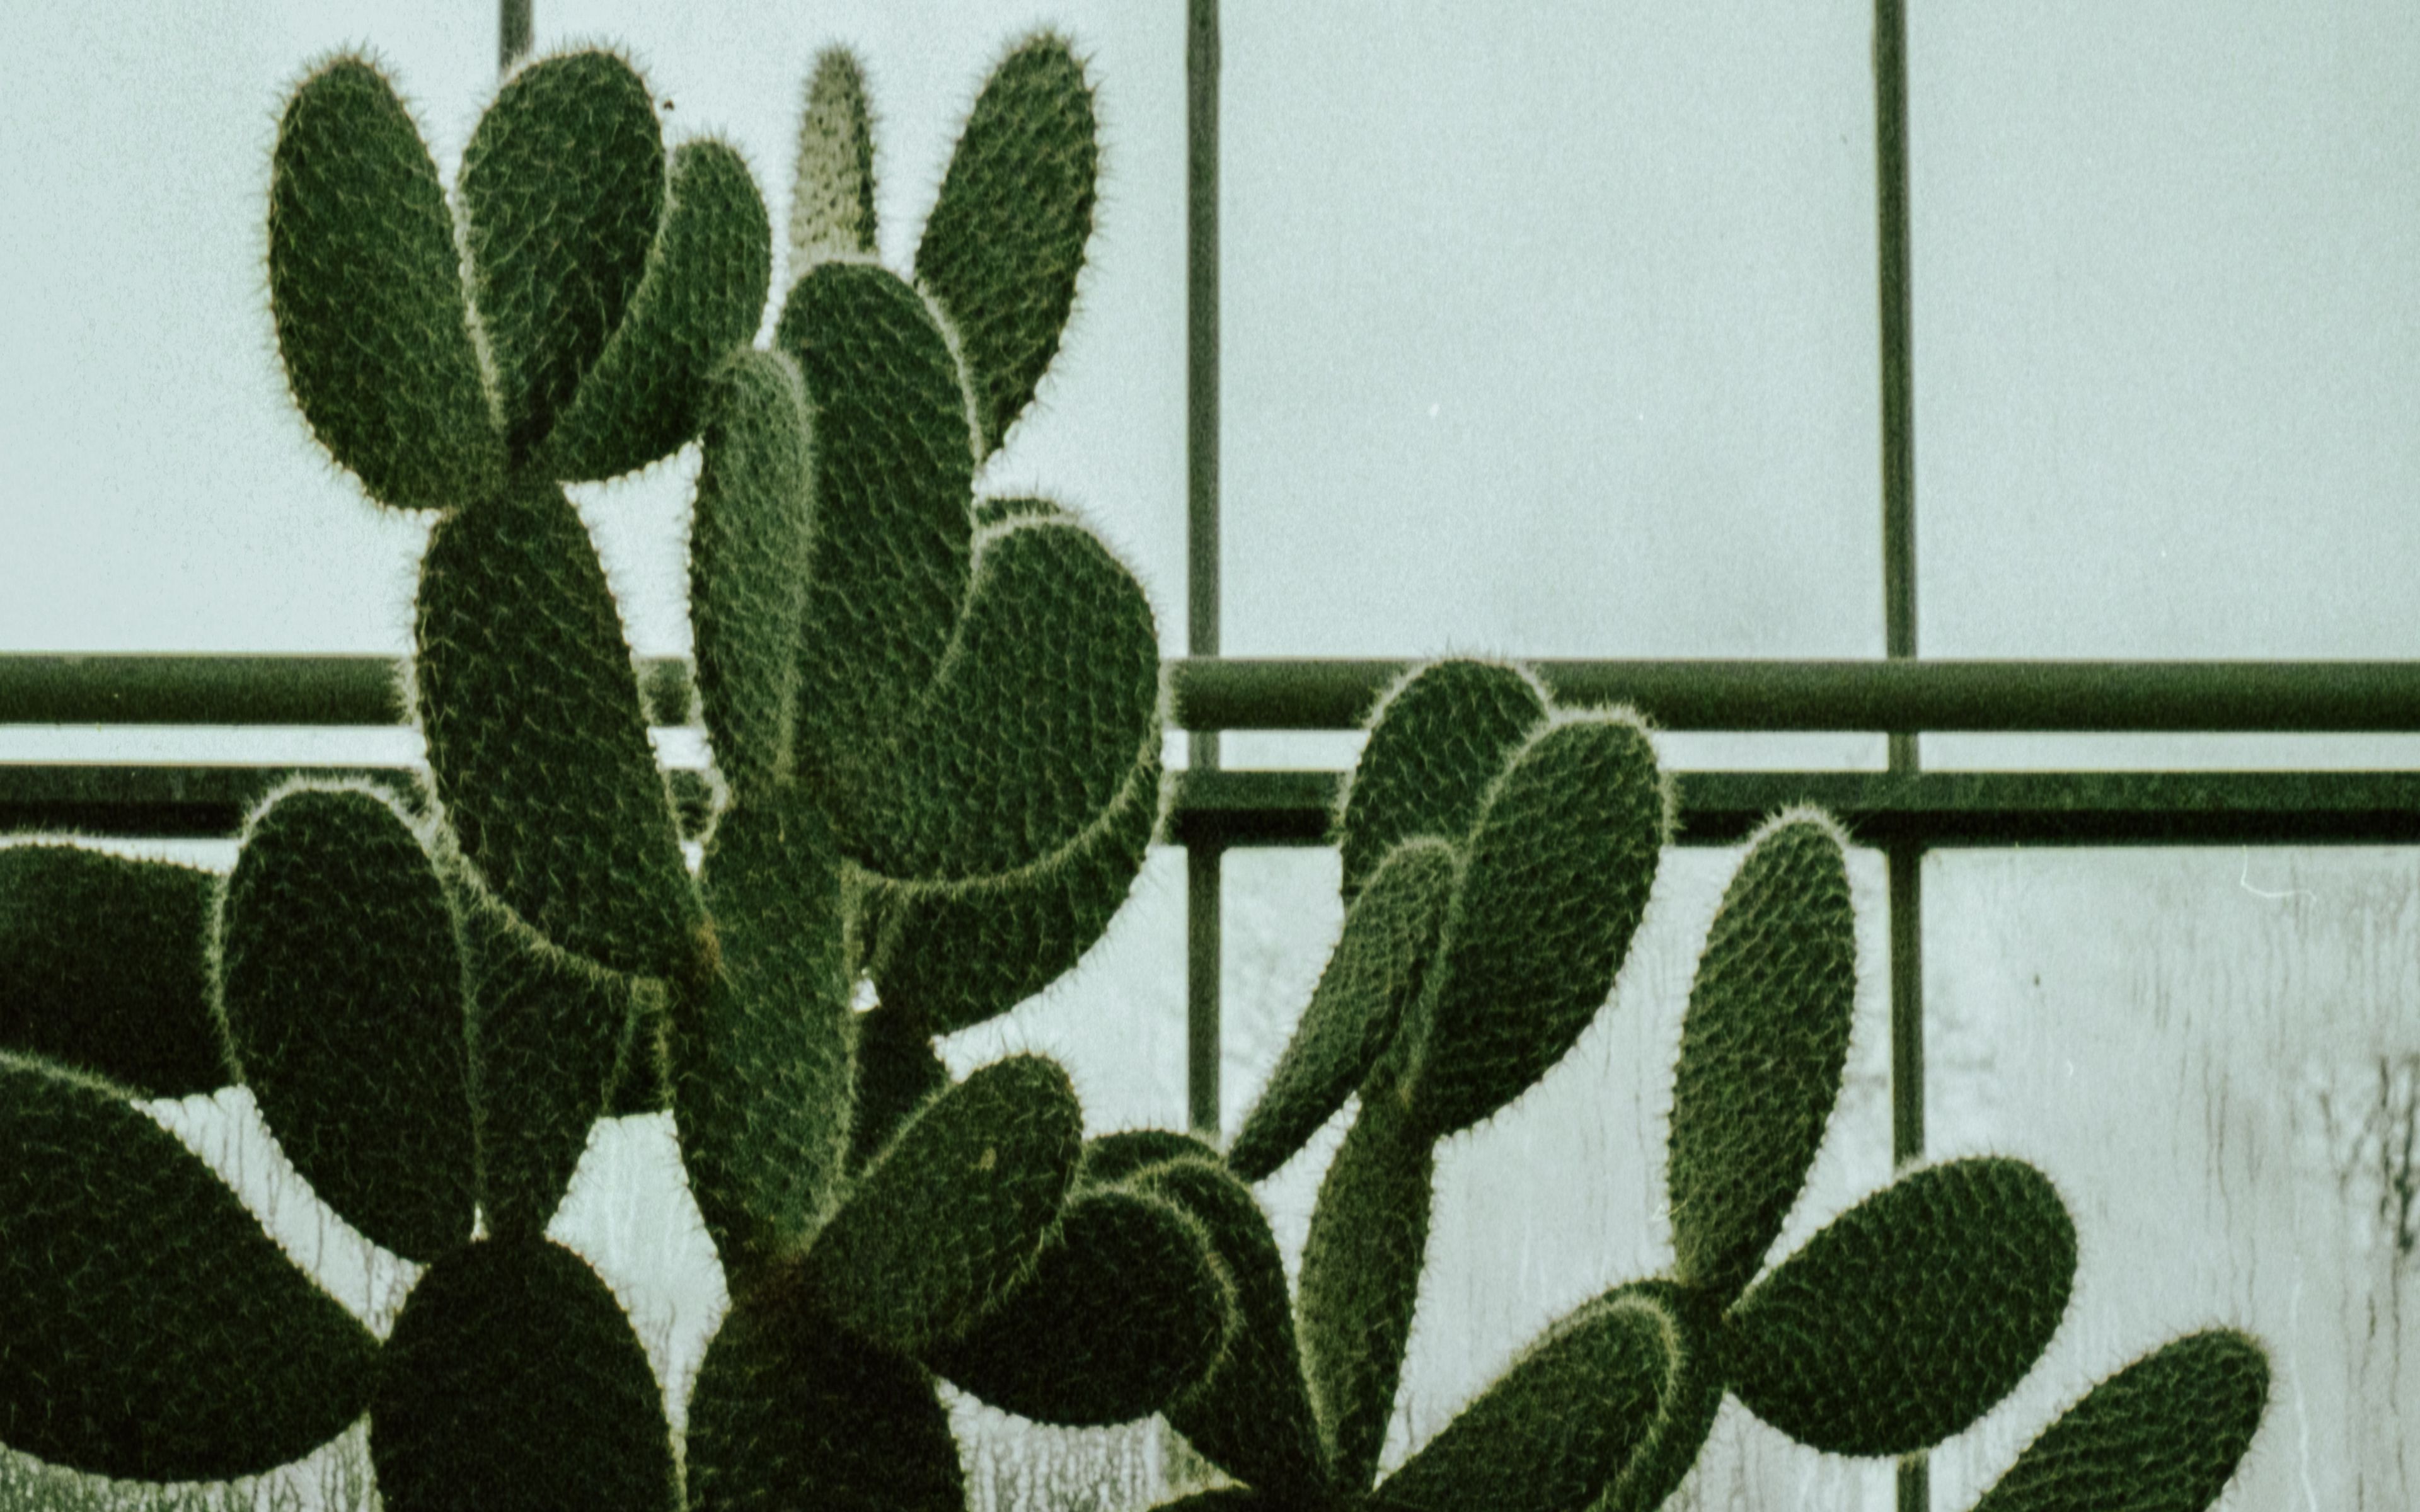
(1902, 810)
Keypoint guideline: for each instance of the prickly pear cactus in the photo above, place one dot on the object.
(1497, 854)
(935, 724)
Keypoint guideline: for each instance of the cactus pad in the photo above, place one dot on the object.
(1044, 705)
(702, 295)
(893, 473)
(563, 186)
(1558, 870)
(1122, 1309)
(1006, 238)
(965, 951)
(831, 199)
(103, 967)
(340, 979)
(2162, 1435)
(1910, 1315)
(536, 736)
(1438, 740)
(153, 1331)
(793, 1413)
(512, 1381)
(1250, 1414)
(1557, 1427)
(761, 1054)
(1761, 1049)
(1378, 969)
(548, 1034)
(954, 1207)
(367, 289)
(1361, 1280)
(748, 548)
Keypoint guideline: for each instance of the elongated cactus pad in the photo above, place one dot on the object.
(366, 289)
(548, 1034)
(831, 197)
(564, 185)
(1761, 1049)
(965, 951)
(701, 297)
(1250, 1416)
(952, 1208)
(1689, 1396)
(1046, 703)
(340, 978)
(761, 1055)
(1361, 1279)
(794, 1414)
(2162, 1435)
(513, 1383)
(1116, 1157)
(1006, 238)
(1558, 870)
(103, 967)
(1123, 1308)
(1913, 1313)
(1438, 741)
(536, 737)
(893, 473)
(1379, 966)
(748, 564)
(152, 1330)
(1557, 1427)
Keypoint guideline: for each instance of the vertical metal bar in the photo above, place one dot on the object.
(1201, 873)
(512, 32)
(1906, 862)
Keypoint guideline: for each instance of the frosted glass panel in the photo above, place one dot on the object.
(2168, 336)
(1562, 1195)
(2213, 1055)
(1549, 329)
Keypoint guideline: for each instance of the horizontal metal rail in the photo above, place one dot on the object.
(1234, 807)
(1239, 693)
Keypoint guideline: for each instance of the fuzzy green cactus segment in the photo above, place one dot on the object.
(793, 1413)
(1361, 1280)
(1045, 707)
(153, 1331)
(1557, 1427)
(1557, 876)
(962, 952)
(952, 1210)
(748, 542)
(537, 739)
(761, 1051)
(1438, 740)
(702, 295)
(563, 184)
(1006, 238)
(366, 287)
(105, 967)
(1910, 1315)
(1123, 1309)
(340, 982)
(832, 198)
(1689, 1396)
(2162, 1435)
(894, 475)
(1377, 969)
(898, 1071)
(1762, 1051)
(548, 1035)
(512, 1381)
(1250, 1416)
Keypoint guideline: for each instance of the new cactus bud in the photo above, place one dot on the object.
(831, 197)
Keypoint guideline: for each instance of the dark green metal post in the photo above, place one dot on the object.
(1202, 872)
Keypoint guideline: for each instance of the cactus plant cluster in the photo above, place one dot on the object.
(934, 723)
